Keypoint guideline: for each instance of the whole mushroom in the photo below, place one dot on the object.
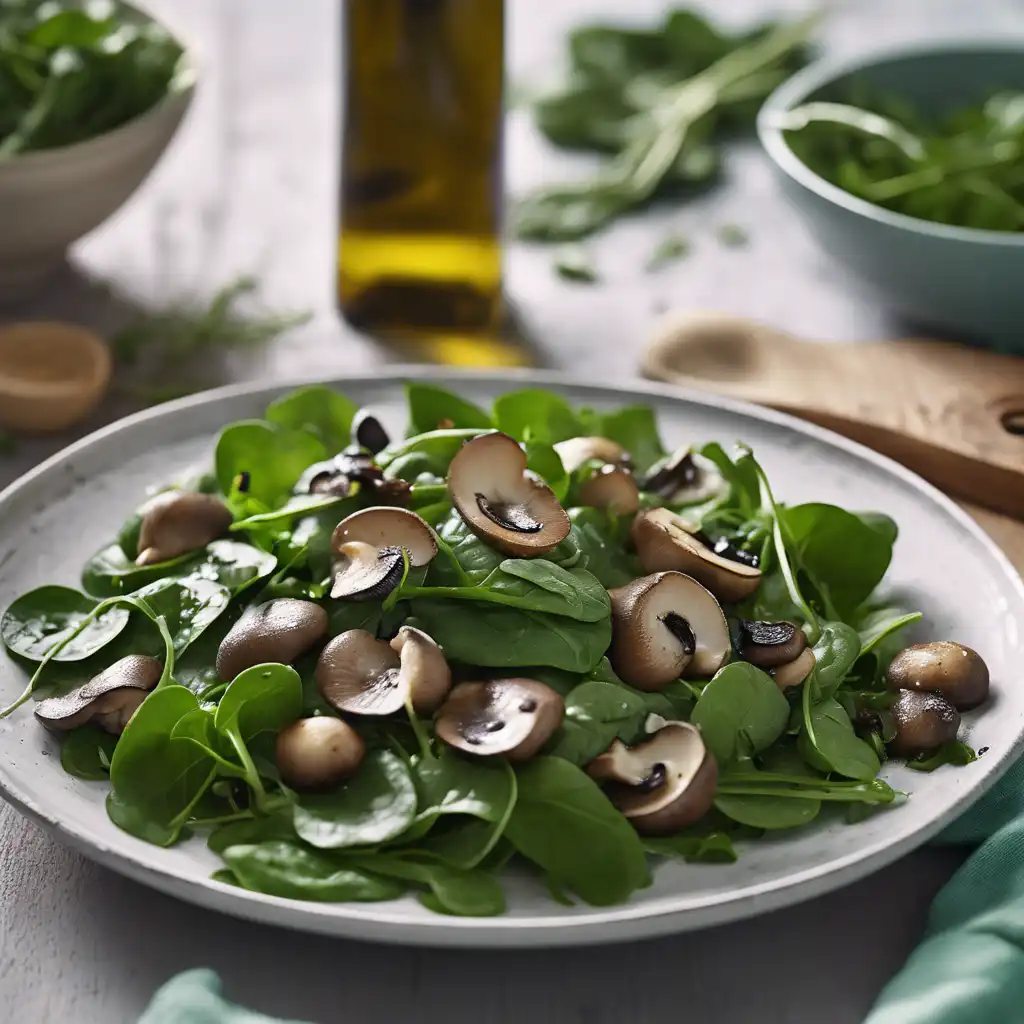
(279, 631)
(662, 784)
(109, 699)
(924, 721)
(612, 488)
(945, 667)
(318, 753)
(177, 522)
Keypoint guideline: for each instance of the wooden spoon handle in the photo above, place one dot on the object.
(946, 411)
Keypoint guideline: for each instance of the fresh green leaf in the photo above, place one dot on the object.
(316, 410)
(273, 457)
(264, 698)
(86, 752)
(430, 407)
(837, 745)
(536, 415)
(954, 752)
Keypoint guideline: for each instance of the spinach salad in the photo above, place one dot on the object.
(361, 667)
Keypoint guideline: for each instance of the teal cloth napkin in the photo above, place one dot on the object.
(969, 968)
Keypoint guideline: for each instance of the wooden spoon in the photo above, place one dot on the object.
(52, 375)
(953, 414)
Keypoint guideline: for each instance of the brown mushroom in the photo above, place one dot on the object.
(794, 672)
(945, 667)
(667, 541)
(369, 545)
(176, 522)
(665, 626)
(663, 783)
(513, 717)
(684, 478)
(109, 699)
(362, 675)
(578, 450)
(612, 488)
(503, 503)
(770, 644)
(280, 630)
(318, 753)
(924, 721)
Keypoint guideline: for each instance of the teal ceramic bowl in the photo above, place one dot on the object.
(960, 281)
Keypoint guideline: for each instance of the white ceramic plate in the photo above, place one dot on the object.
(59, 514)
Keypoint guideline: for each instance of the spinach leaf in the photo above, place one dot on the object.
(741, 475)
(280, 868)
(606, 558)
(86, 752)
(315, 410)
(740, 712)
(712, 848)
(43, 617)
(634, 427)
(835, 653)
(453, 785)
(766, 811)
(881, 623)
(838, 747)
(542, 459)
(378, 804)
(954, 752)
(255, 830)
(273, 457)
(452, 891)
(110, 572)
(502, 637)
(431, 406)
(536, 415)
(188, 605)
(264, 698)
(564, 824)
(596, 713)
(476, 558)
(298, 505)
(438, 446)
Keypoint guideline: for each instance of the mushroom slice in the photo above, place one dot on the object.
(945, 667)
(362, 675)
(369, 547)
(770, 644)
(662, 784)
(176, 522)
(793, 673)
(613, 488)
(278, 631)
(578, 450)
(666, 541)
(684, 478)
(108, 699)
(318, 753)
(665, 626)
(369, 433)
(924, 721)
(514, 717)
(501, 501)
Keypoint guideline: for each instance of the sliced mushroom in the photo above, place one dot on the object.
(362, 675)
(108, 699)
(279, 631)
(945, 667)
(318, 753)
(369, 546)
(667, 541)
(368, 432)
(176, 522)
(770, 644)
(501, 501)
(684, 478)
(924, 721)
(612, 488)
(339, 477)
(662, 784)
(665, 626)
(513, 717)
(578, 450)
(793, 673)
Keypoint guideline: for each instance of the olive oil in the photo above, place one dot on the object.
(419, 245)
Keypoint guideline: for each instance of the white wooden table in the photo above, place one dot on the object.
(249, 187)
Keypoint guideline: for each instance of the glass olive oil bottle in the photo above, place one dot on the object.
(419, 246)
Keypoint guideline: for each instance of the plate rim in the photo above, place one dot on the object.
(370, 921)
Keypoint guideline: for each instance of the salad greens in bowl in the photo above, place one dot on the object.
(361, 665)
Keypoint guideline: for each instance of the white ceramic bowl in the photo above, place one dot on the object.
(50, 198)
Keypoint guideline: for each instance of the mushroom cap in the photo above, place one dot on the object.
(924, 721)
(578, 450)
(318, 753)
(666, 541)
(501, 501)
(368, 432)
(662, 784)
(945, 667)
(361, 675)
(278, 631)
(369, 546)
(514, 717)
(664, 626)
(770, 644)
(108, 699)
(613, 488)
(684, 477)
(794, 672)
(176, 522)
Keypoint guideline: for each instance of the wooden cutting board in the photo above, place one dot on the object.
(955, 415)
